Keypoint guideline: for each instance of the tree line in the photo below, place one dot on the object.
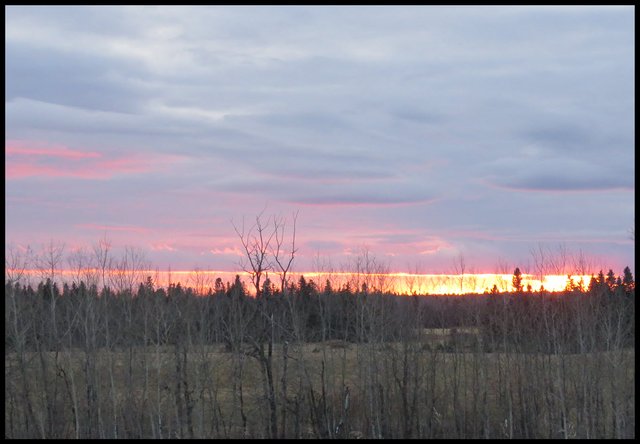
(304, 308)
(113, 355)
(82, 362)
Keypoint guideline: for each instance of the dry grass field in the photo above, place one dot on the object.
(395, 389)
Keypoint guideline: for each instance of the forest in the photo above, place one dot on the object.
(112, 354)
(311, 361)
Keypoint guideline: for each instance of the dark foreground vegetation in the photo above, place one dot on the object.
(316, 362)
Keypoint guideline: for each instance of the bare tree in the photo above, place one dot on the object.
(459, 267)
(47, 337)
(323, 268)
(49, 260)
(87, 316)
(411, 279)
(201, 280)
(17, 261)
(83, 268)
(256, 242)
(283, 260)
(558, 260)
(582, 266)
(539, 255)
(128, 271)
(102, 258)
(472, 280)
(503, 268)
(47, 263)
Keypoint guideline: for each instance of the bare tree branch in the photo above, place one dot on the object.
(256, 244)
(284, 262)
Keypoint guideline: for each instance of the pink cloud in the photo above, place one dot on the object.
(431, 245)
(431, 248)
(351, 202)
(162, 246)
(97, 227)
(226, 250)
(19, 170)
(37, 159)
(477, 234)
(19, 148)
(124, 165)
(395, 242)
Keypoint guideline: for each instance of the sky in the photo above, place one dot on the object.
(421, 134)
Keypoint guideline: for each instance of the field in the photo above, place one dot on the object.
(324, 389)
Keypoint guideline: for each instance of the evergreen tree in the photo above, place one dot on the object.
(327, 288)
(236, 289)
(219, 286)
(611, 280)
(593, 284)
(304, 289)
(570, 285)
(627, 280)
(517, 280)
(267, 288)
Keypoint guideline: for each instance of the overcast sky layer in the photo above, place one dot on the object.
(420, 133)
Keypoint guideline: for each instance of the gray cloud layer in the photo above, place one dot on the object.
(380, 111)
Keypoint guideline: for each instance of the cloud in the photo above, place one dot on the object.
(556, 170)
(383, 192)
(28, 113)
(565, 182)
(565, 155)
(324, 246)
(424, 119)
(108, 228)
(417, 115)
(162, 247)
(102, 170)
(351, 200)
(234, 251)
(19, 148)
(430, 248)
(26, 159)
(397, 242)
(73, 80)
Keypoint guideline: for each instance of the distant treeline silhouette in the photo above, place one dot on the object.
(319, 313)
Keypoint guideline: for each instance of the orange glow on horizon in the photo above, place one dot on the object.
(399, 283)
